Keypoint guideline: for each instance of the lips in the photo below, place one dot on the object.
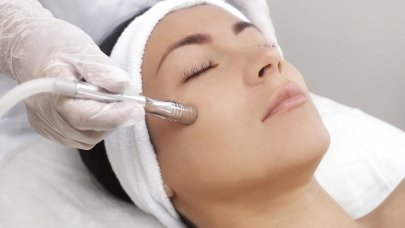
(285, 99)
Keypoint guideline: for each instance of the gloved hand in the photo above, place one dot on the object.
(34, 44)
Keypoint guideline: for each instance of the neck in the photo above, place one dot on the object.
(307, 206)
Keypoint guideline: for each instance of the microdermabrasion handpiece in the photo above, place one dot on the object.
(168, 110)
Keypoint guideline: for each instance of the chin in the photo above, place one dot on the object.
(301, 135)
(312, 137)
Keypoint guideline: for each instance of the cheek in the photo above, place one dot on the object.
(197, 153)
(218, 155)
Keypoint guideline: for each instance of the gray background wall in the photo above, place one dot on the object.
(350, 51)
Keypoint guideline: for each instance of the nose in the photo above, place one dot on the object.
(263, 65)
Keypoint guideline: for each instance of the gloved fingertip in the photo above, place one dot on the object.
(117, 80)
(131, 89)
(128, 123)
(85, 115)
(136, 115)
(108, 77)
(130, 114)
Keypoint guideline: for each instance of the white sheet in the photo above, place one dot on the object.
(366, 159)
(47, 185)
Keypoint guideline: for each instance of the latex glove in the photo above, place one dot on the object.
(34, 44)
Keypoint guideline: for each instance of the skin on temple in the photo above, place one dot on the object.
(230, 168)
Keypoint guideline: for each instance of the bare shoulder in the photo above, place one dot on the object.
(390, 213)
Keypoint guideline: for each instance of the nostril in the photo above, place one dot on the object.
(261, 72)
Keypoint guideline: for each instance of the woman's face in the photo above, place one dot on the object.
(205, 57)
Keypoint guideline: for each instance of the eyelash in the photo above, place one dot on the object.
(198, 70)
(205, 66)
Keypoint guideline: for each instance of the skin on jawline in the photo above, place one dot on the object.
(230, 168)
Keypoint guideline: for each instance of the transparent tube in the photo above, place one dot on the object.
(23, 91)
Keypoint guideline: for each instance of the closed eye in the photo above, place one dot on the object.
(198, 70)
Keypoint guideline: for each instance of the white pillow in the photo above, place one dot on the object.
(366, 158)
(47, 185)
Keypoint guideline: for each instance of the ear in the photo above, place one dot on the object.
(168, 190)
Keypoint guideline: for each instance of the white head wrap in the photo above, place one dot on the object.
(129, 149)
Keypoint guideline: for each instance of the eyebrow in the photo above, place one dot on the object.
(202, 38)
(239, 26)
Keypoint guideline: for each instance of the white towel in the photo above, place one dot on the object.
(129, 150)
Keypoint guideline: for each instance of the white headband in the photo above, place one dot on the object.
(129, 149)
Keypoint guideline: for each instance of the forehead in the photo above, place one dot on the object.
(197, 19)
(193, 19)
